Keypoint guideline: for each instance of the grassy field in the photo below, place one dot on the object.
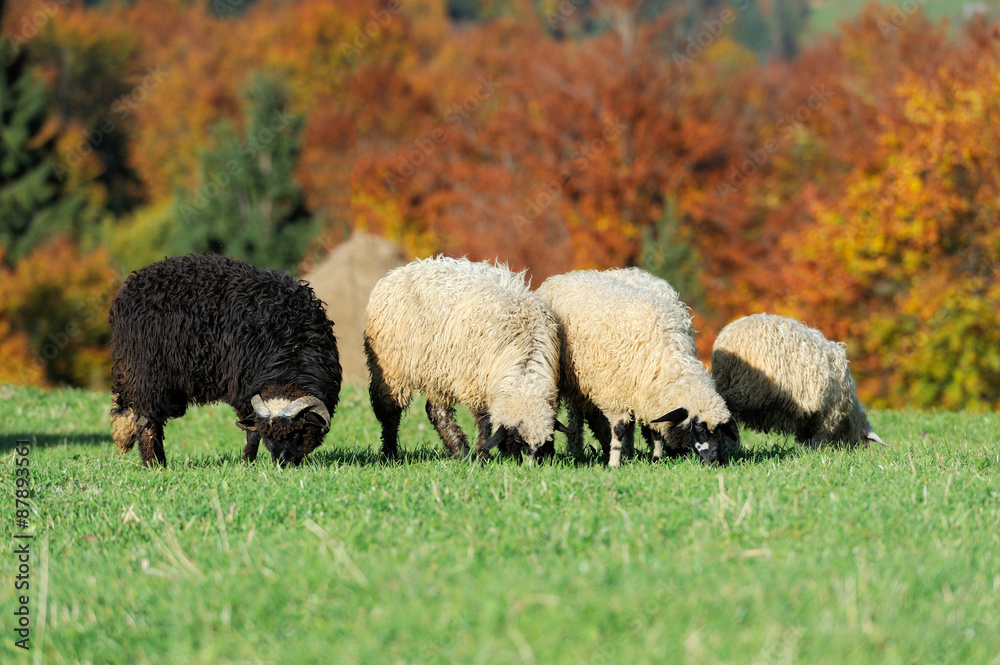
(787, 556)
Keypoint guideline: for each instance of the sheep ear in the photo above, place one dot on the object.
(559, 427)
(317, 420)
(729, 429)
(495, 440)
(249, 424)
(676, 416)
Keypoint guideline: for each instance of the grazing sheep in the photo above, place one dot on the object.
(464, 332)
(661, 288)
(202, 328)
(628, 354)
(776, 374)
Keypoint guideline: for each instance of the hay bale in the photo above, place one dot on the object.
(343, 281)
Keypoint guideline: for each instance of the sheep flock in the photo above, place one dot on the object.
(615, 347)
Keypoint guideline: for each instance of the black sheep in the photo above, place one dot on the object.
(203, 328)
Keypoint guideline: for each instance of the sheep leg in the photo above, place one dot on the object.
(628, 442)
(151, 444)
(451, 434)
(388, 410)
(655, 442)
(485, 429)
(574, 440)
(123, 429)
(601, 428)
(388, 415)
(622, 435)
(250, 450)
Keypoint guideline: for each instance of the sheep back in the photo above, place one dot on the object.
(466, 332)
(777, 374)
(628, 348)
(198, 329)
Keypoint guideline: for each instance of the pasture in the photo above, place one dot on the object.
(788, 555)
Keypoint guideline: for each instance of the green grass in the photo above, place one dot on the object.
(787, 556)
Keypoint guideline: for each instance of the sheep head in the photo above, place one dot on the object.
(290, 429)
(687, 433)
(512, 443)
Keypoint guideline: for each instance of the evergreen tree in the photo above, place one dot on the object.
(248, 204)
(669, 252)
(33, 204)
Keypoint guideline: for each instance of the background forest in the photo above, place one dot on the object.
(758, 154)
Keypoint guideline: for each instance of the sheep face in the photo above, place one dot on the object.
(512, 443)
(685, 434)
(289, 429)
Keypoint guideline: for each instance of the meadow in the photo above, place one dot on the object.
(788, 555)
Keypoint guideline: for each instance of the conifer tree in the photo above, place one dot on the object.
(248, 204)
(33, 204)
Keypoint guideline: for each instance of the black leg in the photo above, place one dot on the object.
(601, 428)
(250, 450)
(447, 428)
(387, 410)
(151, 444)
(485, 430)
(574, 440)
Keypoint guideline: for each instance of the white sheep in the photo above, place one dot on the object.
(659, 287)
(463, 332)
(777, 374)
(628, 354)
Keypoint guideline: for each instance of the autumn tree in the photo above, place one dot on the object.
(53, 316)
(915, 241)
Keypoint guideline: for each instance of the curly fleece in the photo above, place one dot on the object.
(464, 332)
(204, 328)
(630, 349)
(779, 375)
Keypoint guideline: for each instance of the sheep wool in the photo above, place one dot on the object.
(463, 332)
(628, 353)
(778, 375)
(203, 328)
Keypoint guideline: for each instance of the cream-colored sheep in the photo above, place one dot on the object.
(628, 354)
(661, 288)
(778, 375)
(466, 332)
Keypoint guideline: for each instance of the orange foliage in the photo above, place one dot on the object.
(852, 187)
(53, 317)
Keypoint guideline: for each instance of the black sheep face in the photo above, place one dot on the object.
(291, 432)
(291, 439)
(695, 434)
